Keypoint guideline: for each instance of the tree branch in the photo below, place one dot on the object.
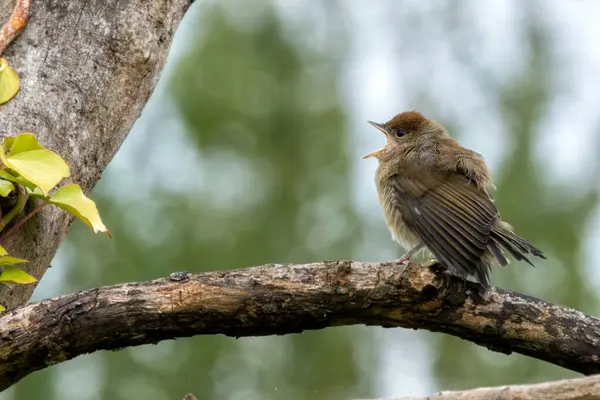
(87, 69)
(569, 389)
(283, 299)
(17, 21)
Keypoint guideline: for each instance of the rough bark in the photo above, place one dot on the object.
(87, 68)
(283, 299)
(571, 389)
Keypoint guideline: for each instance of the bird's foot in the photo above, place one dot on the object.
(405, 259)
(401, 260)
(477, 289)
(404, 262)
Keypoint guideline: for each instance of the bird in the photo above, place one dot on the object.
(436, 197)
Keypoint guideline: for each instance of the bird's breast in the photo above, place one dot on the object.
(401, 233)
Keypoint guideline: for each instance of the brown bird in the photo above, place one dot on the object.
(435, 196)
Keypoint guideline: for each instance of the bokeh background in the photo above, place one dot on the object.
(249, 153)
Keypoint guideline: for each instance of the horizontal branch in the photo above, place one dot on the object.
(283, 299)
(568, 389)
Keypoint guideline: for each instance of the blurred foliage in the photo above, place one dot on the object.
(260, 102)
(263, 113)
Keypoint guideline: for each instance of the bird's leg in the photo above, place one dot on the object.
(406, 257)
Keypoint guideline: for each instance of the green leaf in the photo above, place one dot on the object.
(42, 168)
(6, 187)
(9, 82)
(16, 275)
(2, 308)
(3, 251)
(8, 142)
(7, 176)
(37, 194)
(17, 179)
(6, 260)
(71, 199)
(22, 143)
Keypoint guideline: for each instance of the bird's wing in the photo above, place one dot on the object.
(451, 216)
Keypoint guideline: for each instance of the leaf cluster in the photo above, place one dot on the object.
(30, 172)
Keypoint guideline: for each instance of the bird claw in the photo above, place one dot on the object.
(403, 264)
(403, 260)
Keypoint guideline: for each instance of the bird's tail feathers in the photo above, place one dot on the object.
(519, 248)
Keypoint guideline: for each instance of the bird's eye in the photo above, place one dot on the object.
(399, 132)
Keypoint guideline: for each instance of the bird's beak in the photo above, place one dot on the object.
(381, 127)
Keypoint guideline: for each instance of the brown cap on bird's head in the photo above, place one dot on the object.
(402, 124)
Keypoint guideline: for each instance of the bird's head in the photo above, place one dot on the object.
(404, 128)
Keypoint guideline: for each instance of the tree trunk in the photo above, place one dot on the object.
(87, 68)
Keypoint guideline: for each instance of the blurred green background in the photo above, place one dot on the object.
(249, 153)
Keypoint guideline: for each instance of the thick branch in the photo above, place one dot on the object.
(569, 389)
(282, 299)
(87, 68)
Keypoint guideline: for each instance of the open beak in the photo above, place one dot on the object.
(382, 129)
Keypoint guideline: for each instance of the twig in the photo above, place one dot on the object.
(21, 221)
(15, 24)
(21, 200)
